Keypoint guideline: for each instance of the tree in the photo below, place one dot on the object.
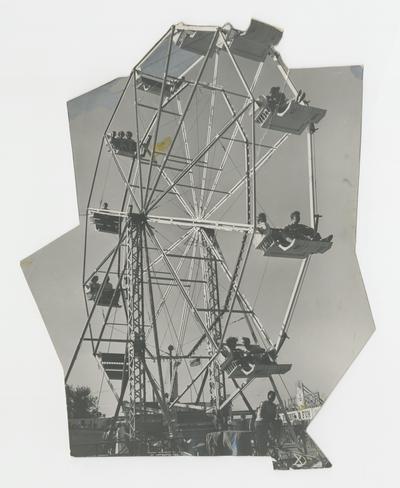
(81, 403)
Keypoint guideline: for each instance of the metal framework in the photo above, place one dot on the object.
(173, 181)
(214, 325)
(136, 334)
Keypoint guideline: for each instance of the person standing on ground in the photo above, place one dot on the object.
(266, 415)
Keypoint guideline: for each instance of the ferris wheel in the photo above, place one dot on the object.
(172, 220)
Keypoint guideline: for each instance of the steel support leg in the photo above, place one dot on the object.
(211, 289)
(136, 332)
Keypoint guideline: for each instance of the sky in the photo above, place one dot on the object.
(332, 320)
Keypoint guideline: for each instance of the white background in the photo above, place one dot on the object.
(52, 51)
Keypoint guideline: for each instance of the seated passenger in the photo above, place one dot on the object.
(252, 348)
(107, 221)
(109, 294)
(262, 225)
(275, 101)
(262, 101)
(231, 344)
(117, 140)
(108, 288)
(129, 144)
(144, 148)
(93, 287)
(123, 142)
(295, 230)
(238, 355)
(255, 353)
(276, 235)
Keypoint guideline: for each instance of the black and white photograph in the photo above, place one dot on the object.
(209, 298)
(213, 272)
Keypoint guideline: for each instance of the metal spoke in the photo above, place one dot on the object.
(218, 254)
(231, 143)
(235, 188)
(209, 133)
(188, 103)
(185, 308)
(187, 153)
(172, 30)
(121, 172)
(199, 156)
(178, 268)
(193, 308)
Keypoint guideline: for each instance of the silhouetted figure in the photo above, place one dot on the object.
(295, 230)
(255, 353)
(266, 415)
(129, 145)
(123, 143)
(144, 148)
(252, 348)
(93, 287)
(231, 344)
(108, 288)
(238, 355)
(275, 234)
(276, 100)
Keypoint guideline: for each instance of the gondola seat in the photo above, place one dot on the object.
(122, 149)
(298, 248)
(109, 298)
(197, 42)
(105, 221)
(256, 42)
(293, 120)
(153, 85)
(152, 69)
(234, 369)
(113, 364)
